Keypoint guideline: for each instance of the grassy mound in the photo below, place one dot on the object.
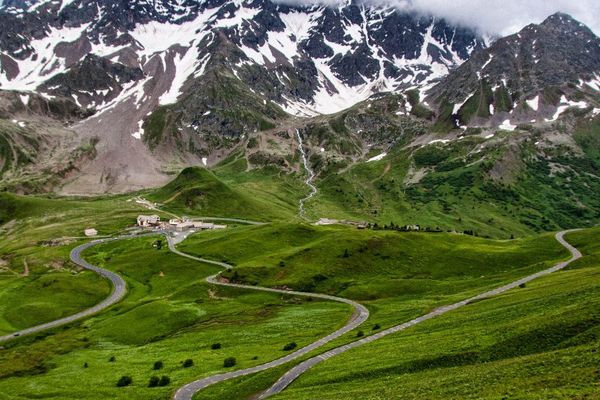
(198, 191)
(538, 341)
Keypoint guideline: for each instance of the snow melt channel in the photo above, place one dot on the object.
(309, 180)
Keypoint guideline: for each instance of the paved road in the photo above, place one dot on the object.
(187, 392)
(119, 290)
(359, 316)
(304, 366)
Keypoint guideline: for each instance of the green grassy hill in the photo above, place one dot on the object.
(169, 314)
(392, 273)
(198, 191)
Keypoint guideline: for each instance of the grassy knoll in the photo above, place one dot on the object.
(398, 276)
(170, 314)
(198, 191)
(371, 265)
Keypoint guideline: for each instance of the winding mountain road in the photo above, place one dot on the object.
(360, 315)
(187, 392)
(118, 292)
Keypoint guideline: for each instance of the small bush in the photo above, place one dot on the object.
(153, 381)
(376, 326)
(112, 359)
(290, 346)
(360, 334)
(158, 365)
(254, 358)
(85, 365)
(522, 286)
(124, 381)
(229, 362)
(164, 380)
(188, 363)
(215, 346)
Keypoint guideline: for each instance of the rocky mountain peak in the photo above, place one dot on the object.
(539, 64)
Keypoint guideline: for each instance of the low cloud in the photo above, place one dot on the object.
(496, 17)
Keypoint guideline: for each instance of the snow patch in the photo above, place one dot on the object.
(534, 103)
(377, 158)
(140, 132)
(507, 126)
(565, 104)
(24, 99)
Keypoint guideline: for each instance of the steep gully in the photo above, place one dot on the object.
(360, 315)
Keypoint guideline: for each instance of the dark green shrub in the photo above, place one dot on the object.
(360, 334)
(229, 362)
(153, 381)
(376, 326)
(215, 346)
(124, 381)
(290, 346)
(112, 359)
(164, 380)
(188, 363)
(158, 365)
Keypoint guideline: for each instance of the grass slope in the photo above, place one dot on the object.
(38, 283)
(198, 191)
(520, 184)
(537, 342)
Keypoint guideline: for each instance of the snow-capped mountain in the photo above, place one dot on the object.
(532, 76)
(317, 59)
(179, 82)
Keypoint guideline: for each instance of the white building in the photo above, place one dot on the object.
(90, 232)
(148, 220)
(208, 225)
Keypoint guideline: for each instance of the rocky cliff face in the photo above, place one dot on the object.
(531, 76)
(313, 59)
